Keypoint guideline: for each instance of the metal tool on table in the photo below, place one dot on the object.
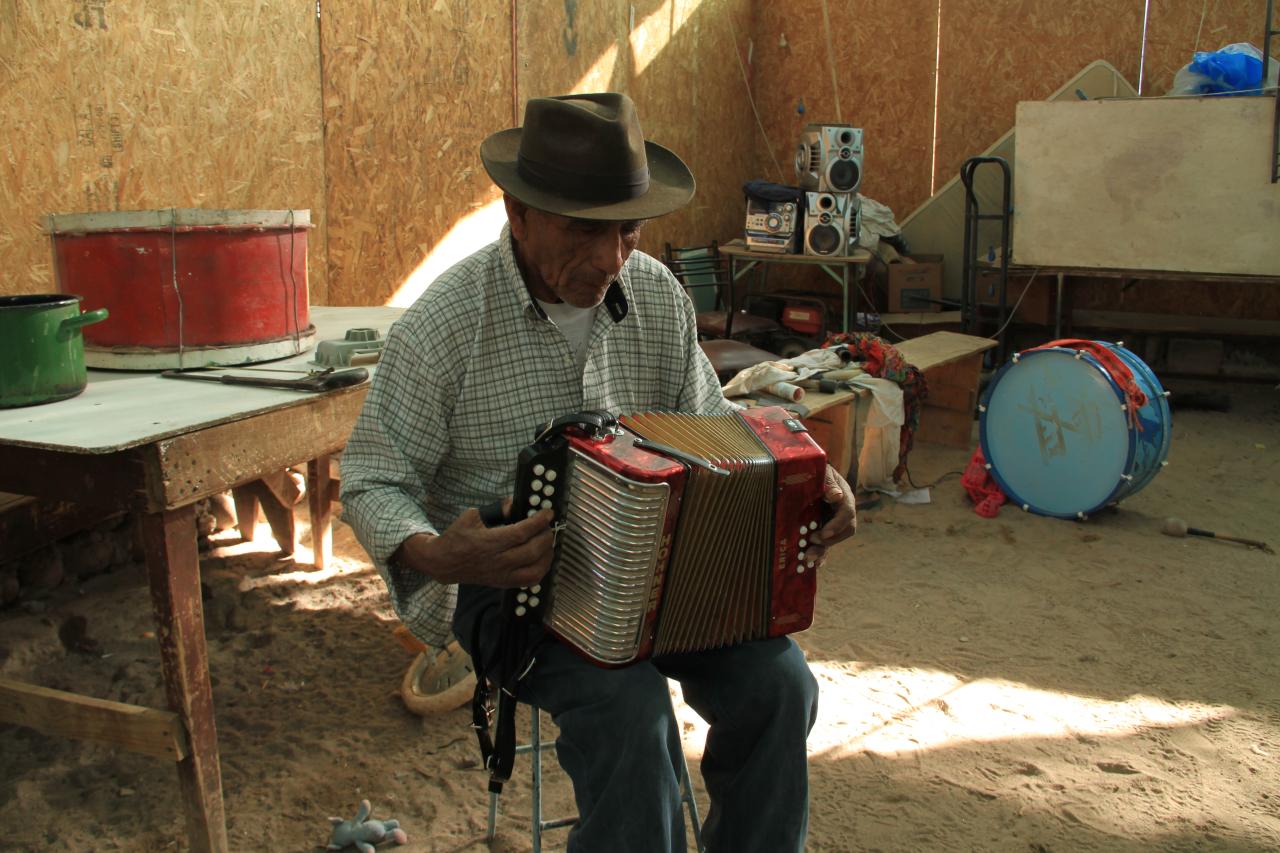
(1178, 527)
(328, 379)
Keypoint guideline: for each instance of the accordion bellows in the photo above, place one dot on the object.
(659, 556)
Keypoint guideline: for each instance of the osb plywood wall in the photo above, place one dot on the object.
(113, 105)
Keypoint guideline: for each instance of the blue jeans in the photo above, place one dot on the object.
(620, 744)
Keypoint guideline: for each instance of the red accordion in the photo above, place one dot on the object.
(677, 532)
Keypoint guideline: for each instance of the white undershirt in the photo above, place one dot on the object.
(575, 323)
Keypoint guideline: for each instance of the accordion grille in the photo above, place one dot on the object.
(606, 558)
(716, 590)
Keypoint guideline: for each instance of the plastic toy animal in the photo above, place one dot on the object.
(363, 833)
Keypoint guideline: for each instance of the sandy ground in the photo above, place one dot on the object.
(1019, 684)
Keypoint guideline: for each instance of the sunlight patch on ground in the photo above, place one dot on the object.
(892, 712)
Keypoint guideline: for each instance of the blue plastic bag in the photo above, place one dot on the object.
(1235, 69)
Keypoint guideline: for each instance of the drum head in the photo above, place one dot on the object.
(1055, 434)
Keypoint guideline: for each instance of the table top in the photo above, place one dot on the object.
(123, 409)
(738, 248)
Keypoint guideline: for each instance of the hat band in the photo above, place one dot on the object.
(584, 187)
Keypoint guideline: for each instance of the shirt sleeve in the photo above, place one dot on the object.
(394, 450)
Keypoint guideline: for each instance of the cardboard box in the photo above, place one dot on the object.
(915, 284)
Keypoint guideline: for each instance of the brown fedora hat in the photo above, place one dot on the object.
(585, 156)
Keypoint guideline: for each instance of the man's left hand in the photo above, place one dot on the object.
(842, 525)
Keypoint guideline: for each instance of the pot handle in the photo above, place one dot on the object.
(88, 318)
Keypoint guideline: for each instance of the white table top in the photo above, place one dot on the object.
(121, 409)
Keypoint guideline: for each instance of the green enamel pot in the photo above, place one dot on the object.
(41, 348)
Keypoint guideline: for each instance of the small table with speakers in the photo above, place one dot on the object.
(845, 269)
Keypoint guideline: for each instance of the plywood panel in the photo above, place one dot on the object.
(937, 226)
(995, 53)
(884, 57)
(125, 106)
(675, 59)
(1177, 29)
(410, 90)
(1176, 184)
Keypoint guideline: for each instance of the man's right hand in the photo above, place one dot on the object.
(509, 555)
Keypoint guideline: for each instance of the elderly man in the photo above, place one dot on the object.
(560, 315)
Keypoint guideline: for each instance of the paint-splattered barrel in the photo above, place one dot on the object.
(187, 288)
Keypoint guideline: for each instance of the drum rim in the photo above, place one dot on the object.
(1014, 498)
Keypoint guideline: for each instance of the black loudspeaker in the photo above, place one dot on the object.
(829, 158)
(830, 223)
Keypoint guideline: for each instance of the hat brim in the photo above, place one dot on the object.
(671, 184)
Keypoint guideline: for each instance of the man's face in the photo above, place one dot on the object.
(570, 260)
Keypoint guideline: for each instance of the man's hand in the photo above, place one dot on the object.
(468, 552)
(842, 525)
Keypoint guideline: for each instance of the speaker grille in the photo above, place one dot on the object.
(824, 239)
(843, 175)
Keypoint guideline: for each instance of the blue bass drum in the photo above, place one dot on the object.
(1057, 433)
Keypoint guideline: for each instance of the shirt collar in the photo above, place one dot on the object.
(615, 298)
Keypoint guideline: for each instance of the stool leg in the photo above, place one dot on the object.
(536, 807)
(493, 817)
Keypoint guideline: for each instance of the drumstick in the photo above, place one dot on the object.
(1178, 527)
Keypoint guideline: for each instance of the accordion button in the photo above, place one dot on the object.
(549, 490)
(804, 528)
(536, 588)
(531, 513)
(809, 564)
(538, 469)
(520, 610)
(800, 556)
(534, 500)
(533, 601)
(551, 475)
(800, 569)
(804, 542)
(536, 485)
(522, 597)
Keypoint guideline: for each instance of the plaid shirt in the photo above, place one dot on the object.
(466, 376)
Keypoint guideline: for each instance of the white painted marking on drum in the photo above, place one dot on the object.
(536, 485)
(551, 475)
(539, 469)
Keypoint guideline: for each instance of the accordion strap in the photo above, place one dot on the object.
(516, 654)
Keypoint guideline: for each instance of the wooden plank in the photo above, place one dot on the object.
(942, 348)
(1153, 183)
(173, 572)
(111, 480)
(197, 464)
(945, 426)
(56, 712)
(1130, 321)
(958, 398)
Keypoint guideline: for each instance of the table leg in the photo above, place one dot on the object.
(321, 509)
(246, 512)
(173, 570)
(1057, 311)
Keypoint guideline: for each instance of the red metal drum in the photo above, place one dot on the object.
(188, 288)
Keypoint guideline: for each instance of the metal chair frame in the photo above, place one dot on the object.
(537, 825)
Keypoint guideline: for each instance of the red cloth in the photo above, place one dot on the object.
(984, 491)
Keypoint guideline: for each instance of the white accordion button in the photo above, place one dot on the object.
(551, 475)
(531, 513)
(522, 597)
(800, 568)
(804, 542)
(536, 485)
(539, 469)
(536, 588)
(533, 601)
(520, 610)
(800, 556)
(534, 500)
(809, 564)
(549, 490)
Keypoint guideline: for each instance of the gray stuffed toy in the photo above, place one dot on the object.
(363, 833)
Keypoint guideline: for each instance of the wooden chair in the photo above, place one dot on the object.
(732, 338)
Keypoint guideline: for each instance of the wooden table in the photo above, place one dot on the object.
(157, 446)
(742, 260)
